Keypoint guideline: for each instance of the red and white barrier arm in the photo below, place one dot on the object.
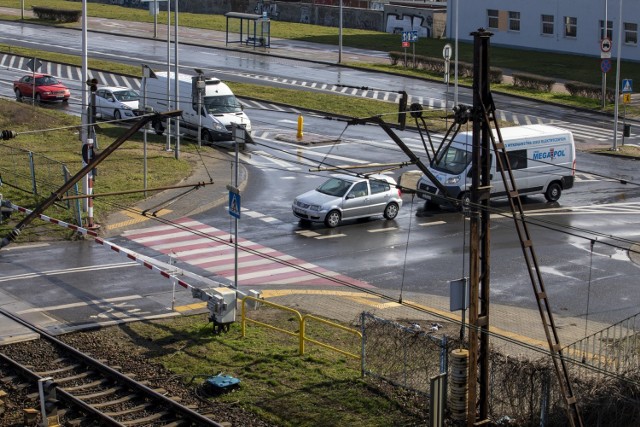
(125, 252)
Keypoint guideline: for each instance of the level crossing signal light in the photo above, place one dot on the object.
(88, 153)
(93, 84)
(8, 134)
(48, 402)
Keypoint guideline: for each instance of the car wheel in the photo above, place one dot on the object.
(391, 211)
(18, 95)
(332, 219)
(158, 127)
(465, 201)
(553, 192)
(38, 98)
(207, 137)
(117, 115)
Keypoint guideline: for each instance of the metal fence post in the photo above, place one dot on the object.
(32, 167)
(362, 344)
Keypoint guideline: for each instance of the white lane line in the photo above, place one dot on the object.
(383, 229)
(67, 271)
(427, 224)
(81, 304)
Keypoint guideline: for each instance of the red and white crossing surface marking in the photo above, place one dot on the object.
(210, 248)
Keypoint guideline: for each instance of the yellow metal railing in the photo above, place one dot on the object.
(302, 320)
(335, 325)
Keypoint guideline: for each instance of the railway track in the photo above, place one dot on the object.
(91, 393)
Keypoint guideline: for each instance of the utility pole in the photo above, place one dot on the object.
(177, 80)
(479, 243)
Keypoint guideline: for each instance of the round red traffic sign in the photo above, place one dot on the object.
(605, 45)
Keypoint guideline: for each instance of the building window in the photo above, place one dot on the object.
(630, 33)
(492, 18)
(570, 26)
(609, 29)
(514, 21)
(547, 25)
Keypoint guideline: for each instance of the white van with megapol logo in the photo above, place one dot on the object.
(542, 158)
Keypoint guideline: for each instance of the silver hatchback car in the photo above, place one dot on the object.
(348, 197)
(117, 102)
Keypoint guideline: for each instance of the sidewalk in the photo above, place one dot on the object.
(518, 323)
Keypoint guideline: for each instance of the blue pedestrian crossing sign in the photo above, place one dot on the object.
(627, 85)
(234, 204)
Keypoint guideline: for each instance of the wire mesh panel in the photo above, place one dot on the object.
(27, 173)
(402, 355)
(613, 349)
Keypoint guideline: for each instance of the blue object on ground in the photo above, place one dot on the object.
(222, 381)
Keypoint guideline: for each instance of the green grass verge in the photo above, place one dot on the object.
(54, 138)
(319, 388)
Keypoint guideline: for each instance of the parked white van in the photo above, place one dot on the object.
(220, 107)
(542, 158)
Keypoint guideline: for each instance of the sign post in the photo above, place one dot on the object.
(605, 54)
(446, 54)
(627, 88)
(409, 37)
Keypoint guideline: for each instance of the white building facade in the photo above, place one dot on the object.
(572, 26)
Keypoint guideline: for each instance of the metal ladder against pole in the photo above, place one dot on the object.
(546, 315)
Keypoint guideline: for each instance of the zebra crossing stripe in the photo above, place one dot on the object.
(210, 248)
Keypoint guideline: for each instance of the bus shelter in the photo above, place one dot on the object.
(251, 29)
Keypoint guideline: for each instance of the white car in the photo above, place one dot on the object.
(117, 102)
(348, 197)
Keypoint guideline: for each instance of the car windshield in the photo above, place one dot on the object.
(126, 95)
(335, 187)
(453, 161)
(222, 104)
(46, 81)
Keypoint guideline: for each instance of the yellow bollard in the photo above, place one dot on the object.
(300, 125)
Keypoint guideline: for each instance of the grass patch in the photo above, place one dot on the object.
(53, 137)
(320, 388)
(623, 150)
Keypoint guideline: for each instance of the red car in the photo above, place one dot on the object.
(47, 88)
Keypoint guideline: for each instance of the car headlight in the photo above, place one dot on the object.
(453, 180)
(315, 208)
(217, 126)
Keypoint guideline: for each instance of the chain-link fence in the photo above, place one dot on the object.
(523, 387)
(26, 172)
(404, 356)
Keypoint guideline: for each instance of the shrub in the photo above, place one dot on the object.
(531, 81)
(436, 65)
(588, 91)
(57, 15)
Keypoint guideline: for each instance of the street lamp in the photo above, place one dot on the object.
(84, 129)
(340, 35)
(176, 80)
(615, 120)
(146, 74)
(455, 62)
